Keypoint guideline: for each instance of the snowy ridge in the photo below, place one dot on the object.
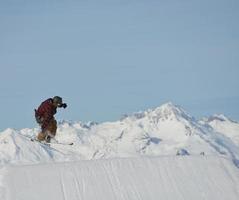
(181, 178)
(166, 130)
(224, 125)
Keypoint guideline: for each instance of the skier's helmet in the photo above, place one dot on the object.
(57, 100)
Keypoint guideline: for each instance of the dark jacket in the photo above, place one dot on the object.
(45, 113)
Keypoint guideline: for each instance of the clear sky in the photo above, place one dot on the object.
(111, 57)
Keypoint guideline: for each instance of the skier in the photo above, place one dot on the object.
(45, 117)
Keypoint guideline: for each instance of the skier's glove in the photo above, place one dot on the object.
(64, 105)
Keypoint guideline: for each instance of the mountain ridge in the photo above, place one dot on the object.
(164, 130)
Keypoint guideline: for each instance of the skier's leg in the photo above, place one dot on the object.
(51, 130)
(41, 136)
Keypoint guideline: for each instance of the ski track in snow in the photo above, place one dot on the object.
(153, 178)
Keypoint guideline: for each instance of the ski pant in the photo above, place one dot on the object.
(50, 130)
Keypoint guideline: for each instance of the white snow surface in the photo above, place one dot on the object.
(132, 158)
(175, 177)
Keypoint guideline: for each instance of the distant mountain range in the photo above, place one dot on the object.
(165, 130)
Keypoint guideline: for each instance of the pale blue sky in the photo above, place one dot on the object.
(111, 57)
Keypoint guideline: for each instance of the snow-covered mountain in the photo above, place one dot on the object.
(165, 130)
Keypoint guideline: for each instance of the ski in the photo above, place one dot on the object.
(44, 143)
(54, 141)
(33, 139)
(47, 145)
(62, 143)
(50, 143)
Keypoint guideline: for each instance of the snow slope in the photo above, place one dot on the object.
(151, 178)
(222, 124)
